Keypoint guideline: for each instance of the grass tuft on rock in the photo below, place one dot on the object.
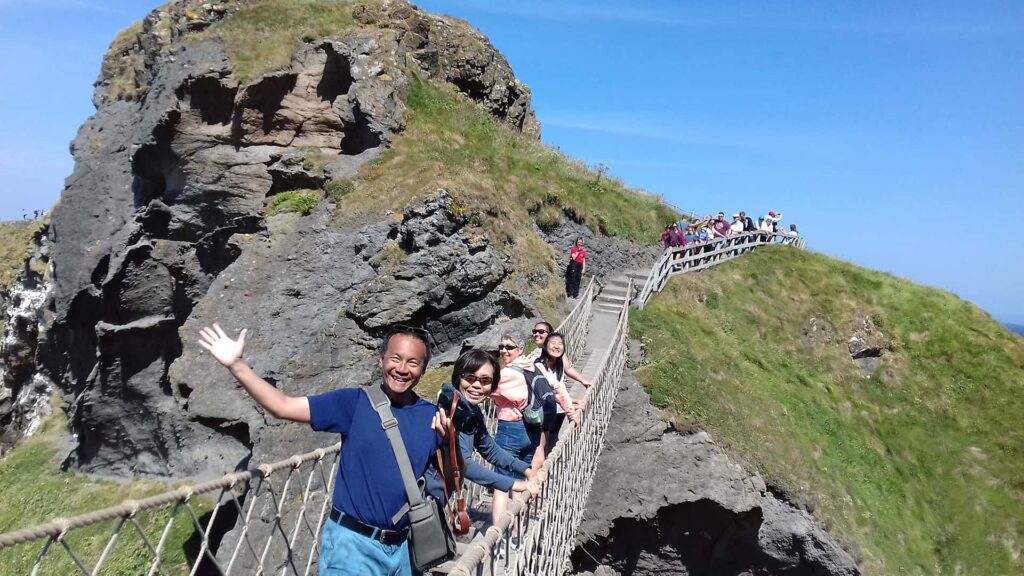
(919, 466)
(263, 35)
(15, 238)
(301, 201)
(34, 490)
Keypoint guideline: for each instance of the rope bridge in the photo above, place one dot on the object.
(267, 520)
(274, 512)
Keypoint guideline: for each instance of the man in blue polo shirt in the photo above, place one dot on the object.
(368, 528)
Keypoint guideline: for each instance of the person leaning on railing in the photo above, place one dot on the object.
(511, 397)
(540, 335)
(367, 532)
(475, 375)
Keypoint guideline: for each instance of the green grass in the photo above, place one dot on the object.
(301, 201)
(452, 143)
(919, 468)
(15, 237)
(262, 36)
(33, 490)
(503, 181)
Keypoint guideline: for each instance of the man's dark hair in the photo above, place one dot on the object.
(470, 361)
(417, 333)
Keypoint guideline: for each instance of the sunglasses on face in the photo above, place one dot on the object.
(473, 379)
(507, 346)
(540, 331)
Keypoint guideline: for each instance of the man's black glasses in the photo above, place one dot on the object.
(473, 379)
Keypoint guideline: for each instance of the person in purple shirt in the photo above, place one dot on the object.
(721, 226)
(368, 529)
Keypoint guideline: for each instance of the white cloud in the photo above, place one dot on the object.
(639, 130)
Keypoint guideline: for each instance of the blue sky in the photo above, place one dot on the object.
(891, 133)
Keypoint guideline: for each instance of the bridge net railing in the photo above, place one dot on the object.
(289, 499)
(266, 520)
(699, 257)
(535, 536)
(576, 328)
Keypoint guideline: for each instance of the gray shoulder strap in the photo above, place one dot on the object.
(382, 404)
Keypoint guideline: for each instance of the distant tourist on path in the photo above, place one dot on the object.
(576, 269)
(737, 224)
(720, 226)
(690, 236)
(748, 223)
(792, 236)
(359, 537)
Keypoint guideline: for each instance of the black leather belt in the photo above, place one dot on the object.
(389, 537)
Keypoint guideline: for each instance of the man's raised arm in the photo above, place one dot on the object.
(229, 353)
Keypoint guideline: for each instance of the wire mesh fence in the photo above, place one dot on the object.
(534, 537)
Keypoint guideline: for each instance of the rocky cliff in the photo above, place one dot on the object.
(162, 227)
(668, 501)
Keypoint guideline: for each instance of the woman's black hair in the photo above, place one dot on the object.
(546, 359)
(547, 325)
(470, 361)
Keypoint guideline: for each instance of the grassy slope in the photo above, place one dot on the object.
(263, 35)
(922, 464)
(33, 490)
(15, 237)
(504, 180)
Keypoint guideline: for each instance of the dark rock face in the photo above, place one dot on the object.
(160, 230)
(671, 502)
(450, 49)
(607, 256)
(24, 397)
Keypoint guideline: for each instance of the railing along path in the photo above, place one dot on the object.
(281, 508)
(535, 536)
(701, 256)
(575, 328)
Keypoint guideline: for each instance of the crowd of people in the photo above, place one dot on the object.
(369, 525)
(705, 230)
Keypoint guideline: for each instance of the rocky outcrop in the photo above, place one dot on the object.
(161, 228)
(449, 49)
(667, 501)
(24, 395)
(607, 256)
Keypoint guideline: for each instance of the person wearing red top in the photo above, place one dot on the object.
(577, 268)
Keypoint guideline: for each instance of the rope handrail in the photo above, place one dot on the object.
(694, 258)
(256, 496)
(546, 525)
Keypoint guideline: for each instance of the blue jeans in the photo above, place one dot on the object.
(519, 440)
(347, 553)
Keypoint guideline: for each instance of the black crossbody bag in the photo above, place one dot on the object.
(431, 542)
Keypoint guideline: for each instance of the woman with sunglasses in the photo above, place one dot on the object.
(474, 375)
(540, 335)
(510, 397)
